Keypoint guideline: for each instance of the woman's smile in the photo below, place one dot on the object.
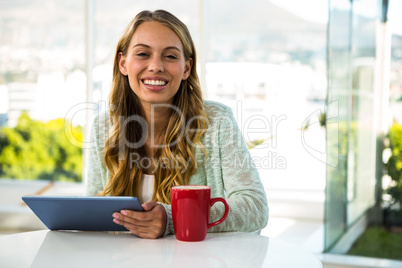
(154, 84)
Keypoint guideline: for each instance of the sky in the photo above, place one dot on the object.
(311, 10)
(394, 16)
(314, 10)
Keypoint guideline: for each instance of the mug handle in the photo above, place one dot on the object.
(212, 202)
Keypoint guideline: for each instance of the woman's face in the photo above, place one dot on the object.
(155, 63)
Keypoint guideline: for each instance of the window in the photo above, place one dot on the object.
(267, 61)
(42, 75)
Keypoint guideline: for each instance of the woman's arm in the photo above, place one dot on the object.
(95, 178)
(242, 186)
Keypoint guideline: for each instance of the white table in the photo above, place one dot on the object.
(102, 249)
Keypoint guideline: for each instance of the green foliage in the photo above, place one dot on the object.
(254, 143)
(322, 120)
(394, 164)
(37, 150)
(377, 242)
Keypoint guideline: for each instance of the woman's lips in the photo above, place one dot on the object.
(154, 84)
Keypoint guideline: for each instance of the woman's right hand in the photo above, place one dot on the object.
(150, 223)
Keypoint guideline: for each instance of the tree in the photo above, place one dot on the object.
(394, 165)
(38, 150)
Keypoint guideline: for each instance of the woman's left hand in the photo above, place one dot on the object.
(150, 223)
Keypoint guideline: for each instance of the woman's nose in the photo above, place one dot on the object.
(156, 65)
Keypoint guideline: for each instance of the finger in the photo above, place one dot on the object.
(144, 233)
(120, 218)
(141, 231)
(137, 215)
(149, 205)
(129, 222)
(130, 225)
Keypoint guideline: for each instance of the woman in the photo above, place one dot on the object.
(159, 133)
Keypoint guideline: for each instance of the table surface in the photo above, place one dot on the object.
(106, 249)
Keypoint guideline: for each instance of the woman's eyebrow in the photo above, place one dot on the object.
(166, 48)
(141, 45)
(173, 47)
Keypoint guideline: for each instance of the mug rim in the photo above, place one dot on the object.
(184, 187)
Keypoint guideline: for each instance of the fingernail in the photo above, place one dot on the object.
(115, 215)
(124, 212)
(116, 221)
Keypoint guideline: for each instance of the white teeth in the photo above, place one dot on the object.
(155, 82)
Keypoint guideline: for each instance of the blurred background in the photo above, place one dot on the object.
(315, 86)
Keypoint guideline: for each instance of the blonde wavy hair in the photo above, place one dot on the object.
(177, 152)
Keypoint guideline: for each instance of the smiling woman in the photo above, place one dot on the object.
(157, 113)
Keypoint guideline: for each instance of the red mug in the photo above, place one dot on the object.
(191, 205)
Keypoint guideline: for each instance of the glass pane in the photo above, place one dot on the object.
(339, 89)
(394, 24)
(361, 166)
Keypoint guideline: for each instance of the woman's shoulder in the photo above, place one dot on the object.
(216, 109)
(101, 127)
(219, 116)
(101, 119)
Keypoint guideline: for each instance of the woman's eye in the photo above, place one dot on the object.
(173, 57)
(142, 54)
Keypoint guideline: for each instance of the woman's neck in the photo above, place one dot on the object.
(157, 118)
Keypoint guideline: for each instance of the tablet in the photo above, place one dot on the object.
(83, 213)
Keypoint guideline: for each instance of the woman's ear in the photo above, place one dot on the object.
(187, 68)
(122, 63)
